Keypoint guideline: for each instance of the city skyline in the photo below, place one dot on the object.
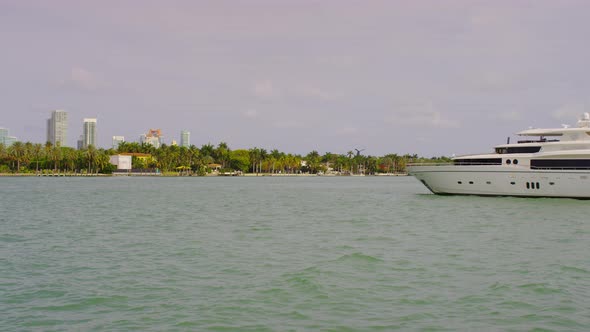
(385, 76)
(57, 132)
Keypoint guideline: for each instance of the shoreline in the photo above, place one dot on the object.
(178, 175)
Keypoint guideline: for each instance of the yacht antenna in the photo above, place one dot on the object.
(508, 140)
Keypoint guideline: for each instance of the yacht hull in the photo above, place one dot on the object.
(502, 181)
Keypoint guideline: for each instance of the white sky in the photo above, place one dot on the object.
(425, 77)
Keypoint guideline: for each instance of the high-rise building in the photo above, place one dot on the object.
(5, 138)
(89, 133)
(80, 142)
(153, 137)
(117, 140)
(57, 128)
(3, 134)
(185, 138)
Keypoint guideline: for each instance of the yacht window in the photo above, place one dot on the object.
(478, 161)
(459, 182)
(537, 185)
(515, 161)
(551, 183)
(528, 186)
(560, 164)
(518, 149)
(512, 183)
(489, 182)
(508, 162)
(470, 182)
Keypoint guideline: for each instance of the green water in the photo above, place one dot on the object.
(286, 254)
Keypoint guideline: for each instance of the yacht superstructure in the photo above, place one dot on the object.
(556, 163)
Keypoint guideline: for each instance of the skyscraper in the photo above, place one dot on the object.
(57, 128)
(89, 133)
(185, 138)
(80, 142)
(3, 134)
(153, 137)
(117, 140)
(5, 138)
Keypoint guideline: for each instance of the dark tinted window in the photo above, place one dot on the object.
(478, 161)
(518, 149)
(560, 163)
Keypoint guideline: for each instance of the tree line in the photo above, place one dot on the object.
(41, 158)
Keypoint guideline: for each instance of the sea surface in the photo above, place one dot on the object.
(286, 254)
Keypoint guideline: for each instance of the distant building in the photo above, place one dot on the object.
(3, 135)
(153, 137)
(174, 142)
(185, 138)
(117, 140)
(9, 140)
(6, 139)
(145, 157)
(89, 133)
(123, 162)
(80, 142)
(57, 128)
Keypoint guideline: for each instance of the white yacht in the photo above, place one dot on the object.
(548, 163)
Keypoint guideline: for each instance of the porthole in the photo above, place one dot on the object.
(551, 183)
(528, 186)
(508, 161)
(515, 161)
(538, 185)
(512, 183)
(470, 182)
(489, 182)
(459, 182)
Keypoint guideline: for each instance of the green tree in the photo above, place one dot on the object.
(240, 160)
(17, 153)
(37, 151)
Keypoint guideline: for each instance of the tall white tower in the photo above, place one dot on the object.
(89, 134)
(57, 128)
(185, 138)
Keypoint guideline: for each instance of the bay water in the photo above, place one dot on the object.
(286, 254)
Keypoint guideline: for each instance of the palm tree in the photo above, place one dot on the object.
(222, 154)
(91, 157)
(2, 152)
(56, 157)
(36, 153)
(18, 153)
(69, 156)
(102, 160)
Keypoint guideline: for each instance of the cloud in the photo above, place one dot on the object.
(348, 131)
(510, 116)
(288, 124)
(420, 116)
(265, 89)
(338, 60)
(251, 114)
(569, 112)
(318, 93)
(81, 79)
